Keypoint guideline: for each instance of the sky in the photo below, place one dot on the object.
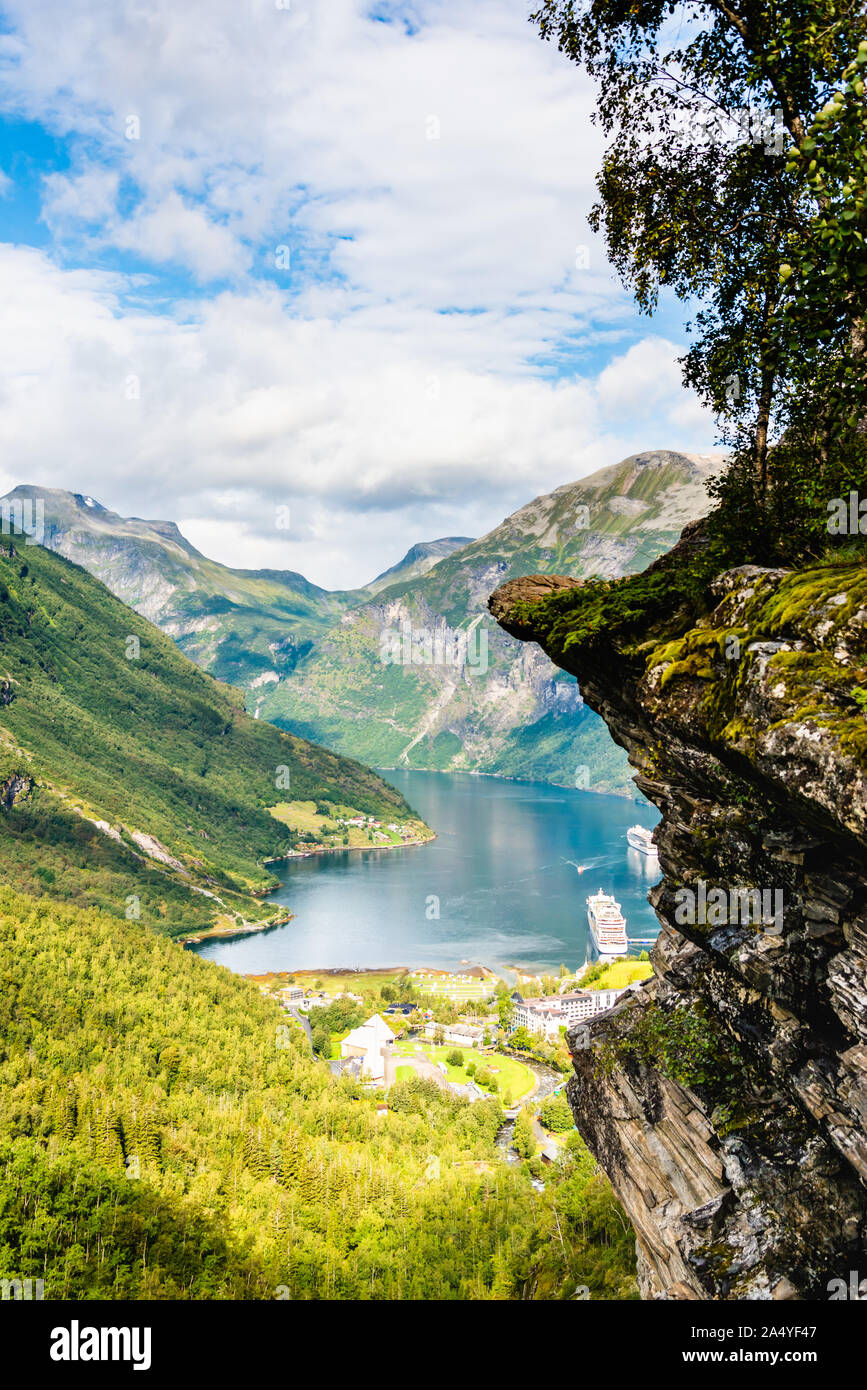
(312, 278)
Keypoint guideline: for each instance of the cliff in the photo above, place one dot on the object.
(726, 1099)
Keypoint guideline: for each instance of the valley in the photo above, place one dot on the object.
(311, 661)
(133, 782)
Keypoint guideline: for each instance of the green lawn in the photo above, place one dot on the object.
(513, 1076)
(621, 973)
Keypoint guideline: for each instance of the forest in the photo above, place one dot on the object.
(167, 1133)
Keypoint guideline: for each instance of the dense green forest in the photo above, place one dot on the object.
(167, 1133)
(103, 719)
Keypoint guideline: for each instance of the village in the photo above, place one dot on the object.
(321, 827)
(467, 1031)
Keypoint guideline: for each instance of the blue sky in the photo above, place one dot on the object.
(334, 257)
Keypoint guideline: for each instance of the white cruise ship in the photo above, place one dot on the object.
(640, 839)
(607, 925)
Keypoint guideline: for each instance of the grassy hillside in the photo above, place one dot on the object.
(102, 719)
(237, 624)
(165, 1133)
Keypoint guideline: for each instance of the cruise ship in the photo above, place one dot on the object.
(640, 839)
(607, 925)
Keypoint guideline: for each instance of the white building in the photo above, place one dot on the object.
(553, 1012)
(373, 1043)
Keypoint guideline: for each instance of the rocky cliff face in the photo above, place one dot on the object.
(727, 1098)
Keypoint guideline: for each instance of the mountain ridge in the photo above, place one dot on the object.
(519, 718)
(309, 658)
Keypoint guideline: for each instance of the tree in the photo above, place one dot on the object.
(521, 1039)
(523, 1139)
(555, 1112)
(734, 176)
(455, 1058)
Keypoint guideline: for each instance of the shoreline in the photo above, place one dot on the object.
(207, 934)
(342, 849)
(201, 938)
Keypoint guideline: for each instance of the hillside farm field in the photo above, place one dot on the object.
(331, 831)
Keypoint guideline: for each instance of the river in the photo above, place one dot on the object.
(500, 886)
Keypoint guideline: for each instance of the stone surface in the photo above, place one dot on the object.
(754, 751)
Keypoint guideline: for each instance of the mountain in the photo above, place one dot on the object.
(417, 561)
(504, 709)
(130, 779)
(310, 659)
(237, 624)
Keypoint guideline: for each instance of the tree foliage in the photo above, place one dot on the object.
(165, 1134)
(734, 176)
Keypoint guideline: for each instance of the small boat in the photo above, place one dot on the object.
(607, 925)
(640, 839)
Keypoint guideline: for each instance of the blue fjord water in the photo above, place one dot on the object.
(504, 869)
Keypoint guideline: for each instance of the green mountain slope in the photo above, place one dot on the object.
(238, 624)
(165, 1132)
(514, 717)
(129, 778)
(310, 660)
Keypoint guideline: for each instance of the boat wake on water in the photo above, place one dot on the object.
(581, 868)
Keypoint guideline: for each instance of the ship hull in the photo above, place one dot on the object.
(606, 949)
(648, 849)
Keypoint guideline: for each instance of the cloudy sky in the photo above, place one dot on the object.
(315, 254)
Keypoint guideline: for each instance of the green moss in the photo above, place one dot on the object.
(810, 685)
(686, 1044)
(627, 611)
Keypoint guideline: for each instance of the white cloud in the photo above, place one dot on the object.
(174, 232)
(311, 125)
(370, 440)
(386, 384)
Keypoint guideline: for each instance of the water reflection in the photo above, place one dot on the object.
(505, 884)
